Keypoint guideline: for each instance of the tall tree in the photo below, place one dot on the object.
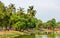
(2, 13)
(21, 12)
(31, 11)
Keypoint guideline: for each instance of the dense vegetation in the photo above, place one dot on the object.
(17, 19)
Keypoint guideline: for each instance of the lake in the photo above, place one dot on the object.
(52, 35)
(26, 36)
(40, 36)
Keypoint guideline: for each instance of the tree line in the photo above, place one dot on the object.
(18, 20)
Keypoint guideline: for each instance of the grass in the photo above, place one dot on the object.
(14, 34)
(9, 34)
(17, 34)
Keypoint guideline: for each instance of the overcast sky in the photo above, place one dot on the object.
(46, 9)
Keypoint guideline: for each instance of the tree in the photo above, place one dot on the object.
(58, 25)
(50, 24)
(31, 11)
(53, 23)
(21, 12)
(10, 10)
(2, 13)
(31, 23)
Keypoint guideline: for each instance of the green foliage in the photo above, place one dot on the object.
(10, 18)
(31, 11)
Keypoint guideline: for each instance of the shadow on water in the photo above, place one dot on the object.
(48, 35)
(44, 35)
(26, 36)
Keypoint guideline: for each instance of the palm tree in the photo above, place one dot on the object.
(31, 11)
(21, 12)
(10, 10)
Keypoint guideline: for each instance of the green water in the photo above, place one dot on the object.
(26, 36)
(48, 36)
(40, 36)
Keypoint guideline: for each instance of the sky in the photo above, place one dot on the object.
(46, 9)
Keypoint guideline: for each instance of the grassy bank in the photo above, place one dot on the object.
(14, 34)
(9, 34)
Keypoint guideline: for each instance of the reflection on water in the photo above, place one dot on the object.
(52, 35)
